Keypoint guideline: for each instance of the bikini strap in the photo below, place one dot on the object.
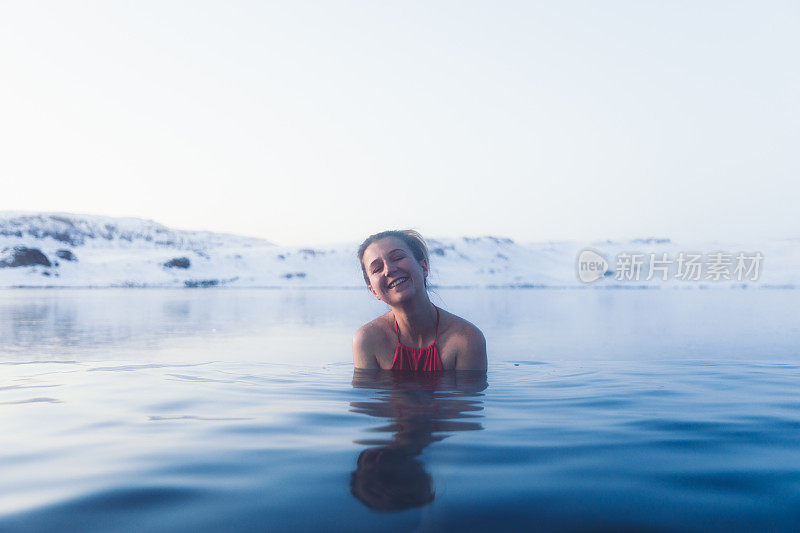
(436, 333)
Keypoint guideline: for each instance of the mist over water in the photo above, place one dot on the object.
(169, 410)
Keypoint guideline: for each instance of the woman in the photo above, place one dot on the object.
(414, 334)
(418, 409)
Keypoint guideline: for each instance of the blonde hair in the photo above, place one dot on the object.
(411, 238)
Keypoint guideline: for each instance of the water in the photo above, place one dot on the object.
(214, 410)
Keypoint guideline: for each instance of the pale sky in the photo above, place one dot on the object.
(319, 122)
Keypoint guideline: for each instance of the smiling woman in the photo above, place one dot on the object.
(414, 334)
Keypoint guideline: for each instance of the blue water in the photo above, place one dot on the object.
(215, 410)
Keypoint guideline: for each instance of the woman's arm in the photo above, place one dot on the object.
(363, 349)
(472, 356)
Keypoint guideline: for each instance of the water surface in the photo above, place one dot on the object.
(175, 410)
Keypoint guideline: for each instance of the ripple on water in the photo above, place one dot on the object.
(188, 435)
(41, 399)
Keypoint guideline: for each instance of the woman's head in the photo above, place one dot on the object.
(391, 479)
(391, 259)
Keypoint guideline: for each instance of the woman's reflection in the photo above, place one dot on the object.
(423, 408)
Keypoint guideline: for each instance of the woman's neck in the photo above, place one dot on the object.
(417, 322)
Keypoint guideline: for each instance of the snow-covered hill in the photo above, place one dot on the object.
(67, 250)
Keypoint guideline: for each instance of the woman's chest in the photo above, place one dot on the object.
(397, 356)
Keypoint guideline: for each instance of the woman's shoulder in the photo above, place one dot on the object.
(377, 326)
(465, 341)
(460, 328)
(371, 340)
(376, 329)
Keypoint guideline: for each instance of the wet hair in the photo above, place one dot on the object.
(412, 239)
(391, 479)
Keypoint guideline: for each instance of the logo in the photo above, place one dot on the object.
(681, 266)
(591, 266)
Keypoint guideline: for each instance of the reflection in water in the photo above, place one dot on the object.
(422, 408)
(122, 324)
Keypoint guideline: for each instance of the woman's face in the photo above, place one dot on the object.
(394, 274)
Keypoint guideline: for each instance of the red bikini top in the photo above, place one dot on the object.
(419, 359)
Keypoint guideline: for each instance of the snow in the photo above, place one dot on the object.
(131, 252)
